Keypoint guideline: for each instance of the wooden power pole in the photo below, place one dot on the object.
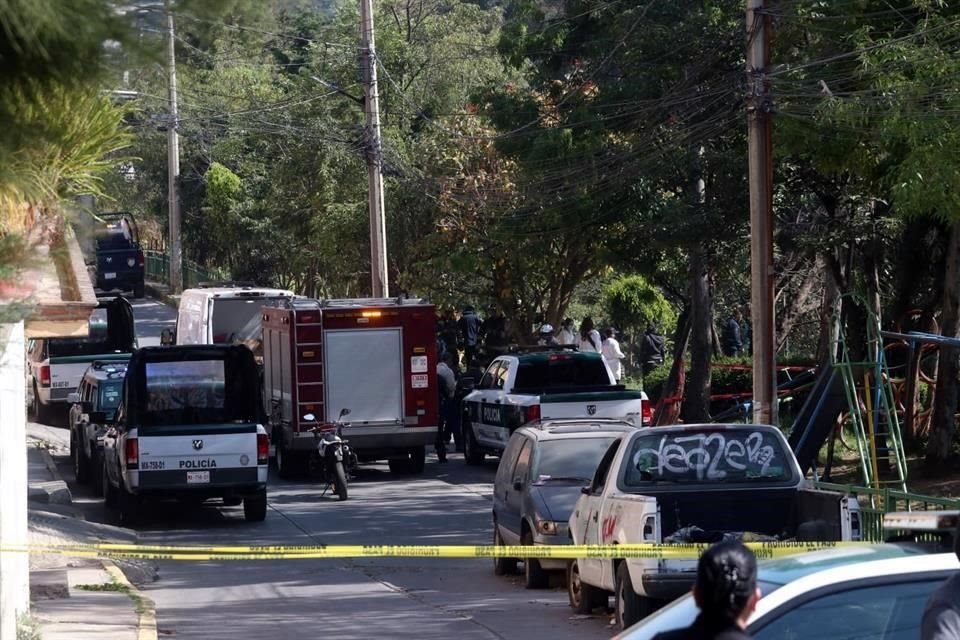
(173, 162)
(378, 231)
(761, 215)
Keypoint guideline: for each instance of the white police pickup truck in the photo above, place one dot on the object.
(692, 484)
(543, 384)
(189, 427)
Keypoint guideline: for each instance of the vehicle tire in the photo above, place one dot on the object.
(814, 530)
(138, 290)
(418, 460)
(286, 463)
(40, 413)
(583, 597)
(255, 506)
(534, 575)
(399, 466)
(502, 566)
(81, 468)
(630, 608)
(340, 481)
(96, 473)
(129, 507)
(109, 492)
(471, 450)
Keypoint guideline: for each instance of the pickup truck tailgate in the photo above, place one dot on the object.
(601, 404)
(190, 456)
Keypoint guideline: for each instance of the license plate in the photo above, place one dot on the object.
(198, 477)
(109, 276)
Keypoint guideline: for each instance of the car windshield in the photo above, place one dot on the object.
(185, 392)
(570, 458)
(561, 371)
(676, 615)
(237, 320)
(708, 456)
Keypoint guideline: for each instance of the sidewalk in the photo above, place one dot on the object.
(76, 598)
(161, 292)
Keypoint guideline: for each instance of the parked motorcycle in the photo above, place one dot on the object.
(334, 459)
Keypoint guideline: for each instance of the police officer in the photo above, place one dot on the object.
(726, 593)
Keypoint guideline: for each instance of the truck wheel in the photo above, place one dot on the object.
(129, 507)
(471, 450)
(81, 470)
(255, 506)
(630, 607)
(399, 466)
(534, 575)
(96, 472)
(502, 566)
(418, 460)
(286, 463)
(583, 597)
(39, 413)
(138, 290)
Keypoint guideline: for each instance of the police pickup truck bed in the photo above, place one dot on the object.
(543, 385)
(692, 484)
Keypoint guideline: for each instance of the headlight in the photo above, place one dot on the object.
(547, 527)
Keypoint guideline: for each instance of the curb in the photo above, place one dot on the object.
(146, 608)
(59, 486)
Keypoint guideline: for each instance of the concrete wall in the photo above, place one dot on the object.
(14, 567)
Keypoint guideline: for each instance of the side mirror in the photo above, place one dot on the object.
(98, 417)
(73, 398)
(309, 418)
(585, 489)
(168, 337)
(344, 412)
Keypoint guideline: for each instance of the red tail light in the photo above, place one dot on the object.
(533, 413)
(140, 258)
(45, 375)
(131, 449)
(263, 449)
(646, 412)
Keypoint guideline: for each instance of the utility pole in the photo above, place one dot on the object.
(173, 161)
(378, 229)
(760, 130)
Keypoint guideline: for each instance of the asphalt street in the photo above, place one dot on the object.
(361, 598)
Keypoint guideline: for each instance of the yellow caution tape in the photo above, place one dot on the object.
(763, 551)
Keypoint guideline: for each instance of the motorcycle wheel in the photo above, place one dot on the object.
(340, 481)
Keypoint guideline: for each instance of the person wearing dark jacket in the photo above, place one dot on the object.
(726, 593)
(732, 344)
(469, 326)
(652, 350)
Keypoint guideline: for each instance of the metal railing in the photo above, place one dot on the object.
(874, 503)
(158, 270)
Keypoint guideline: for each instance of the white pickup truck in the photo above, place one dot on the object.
(692, 484)
(543, 384)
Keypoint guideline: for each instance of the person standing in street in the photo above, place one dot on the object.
(448, 331)
(941, 616)
(652, 350)
(469, 326)
(567, 335)
(590, 340)
(732, 344)
(546, 337)
(725, 592)
(612, 354)
(746, 331)
(446, 387)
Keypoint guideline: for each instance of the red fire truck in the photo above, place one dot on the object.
(375, 357)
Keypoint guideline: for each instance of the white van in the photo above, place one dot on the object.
(223, 314)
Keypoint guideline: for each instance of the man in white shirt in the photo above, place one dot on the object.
(612, 354)
(567, 335)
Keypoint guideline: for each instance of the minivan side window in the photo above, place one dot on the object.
(509, 460)
(522, 470)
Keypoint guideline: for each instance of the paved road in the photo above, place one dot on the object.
(363, 598)
(151, 318)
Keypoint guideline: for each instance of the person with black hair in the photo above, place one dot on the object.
(726, 593)
(941, 616)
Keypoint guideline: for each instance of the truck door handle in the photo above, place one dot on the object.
(595, 515)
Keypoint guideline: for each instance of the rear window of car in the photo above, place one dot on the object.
(185, 392)
(110, 393)
(115, 238)
(710, 456)
(237, 320)
(561, 373)
(96, 342)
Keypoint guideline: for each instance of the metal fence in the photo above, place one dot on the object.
(874, 503)
(158, 270)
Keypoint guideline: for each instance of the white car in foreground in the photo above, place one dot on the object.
(871, 592)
